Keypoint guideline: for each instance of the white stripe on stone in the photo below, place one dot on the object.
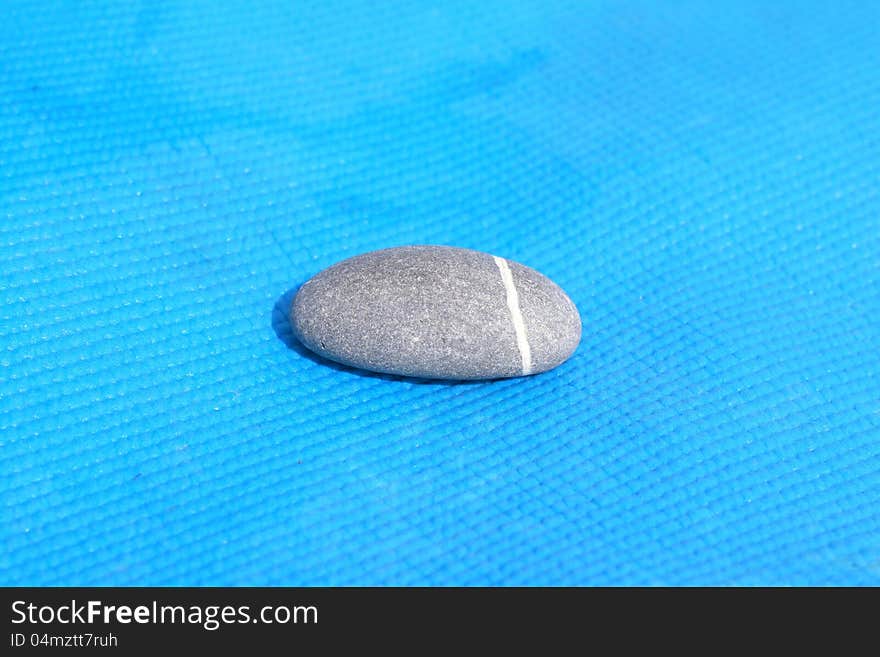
(519, 327)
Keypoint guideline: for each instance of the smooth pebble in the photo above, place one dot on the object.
(436, 312)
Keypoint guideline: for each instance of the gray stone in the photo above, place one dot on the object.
(436, 312)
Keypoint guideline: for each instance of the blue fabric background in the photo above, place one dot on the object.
(701, 177)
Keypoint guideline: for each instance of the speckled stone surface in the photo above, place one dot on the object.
(436, 312)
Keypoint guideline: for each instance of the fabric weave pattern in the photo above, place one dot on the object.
(701, 178)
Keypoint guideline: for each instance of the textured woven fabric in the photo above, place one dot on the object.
(701, 177)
